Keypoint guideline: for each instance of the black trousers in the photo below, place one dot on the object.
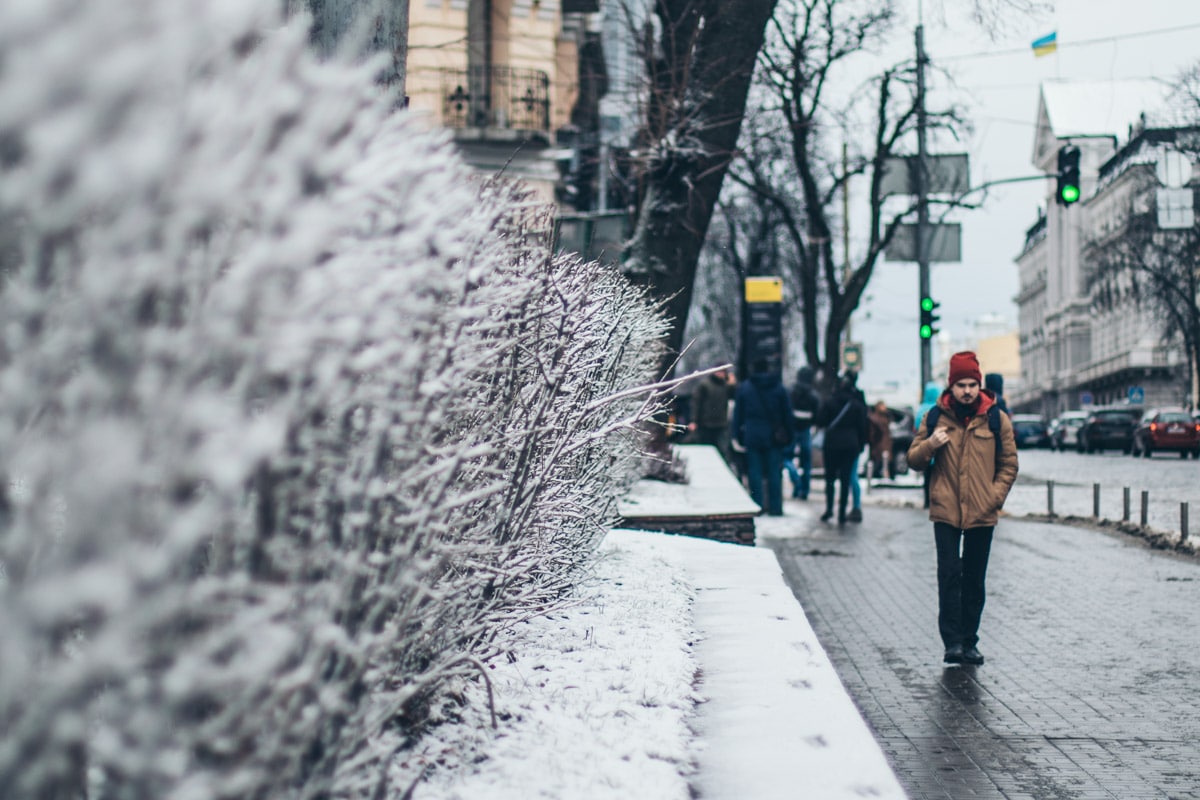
(962, 559)
(839, 466)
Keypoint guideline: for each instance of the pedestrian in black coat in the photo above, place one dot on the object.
(844, 417)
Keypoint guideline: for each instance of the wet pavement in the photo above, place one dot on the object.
(1092, 683)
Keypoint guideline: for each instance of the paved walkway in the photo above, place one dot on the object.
(1092, 641)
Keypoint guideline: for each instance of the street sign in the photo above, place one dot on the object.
(1086, 399)
(1136, 394)
(764, 290)
(945, 243)
(852, 356)
(763, 322)
(946, 174)
(1175, 209)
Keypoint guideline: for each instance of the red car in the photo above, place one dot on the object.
(1167, 429)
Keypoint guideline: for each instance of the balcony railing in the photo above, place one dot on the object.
(505, 98)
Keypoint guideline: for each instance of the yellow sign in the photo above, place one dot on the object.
(764, 290)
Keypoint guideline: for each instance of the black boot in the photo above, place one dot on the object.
(971, 655)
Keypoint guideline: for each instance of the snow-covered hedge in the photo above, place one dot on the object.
(296, 416)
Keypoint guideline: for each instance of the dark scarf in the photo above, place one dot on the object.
(963, 411)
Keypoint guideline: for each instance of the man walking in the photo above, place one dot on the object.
(966, 445)
(763, 425)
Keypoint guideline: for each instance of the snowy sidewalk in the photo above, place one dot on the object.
(686, 668)
(775, 721)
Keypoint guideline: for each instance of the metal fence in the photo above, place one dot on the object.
(496, 97)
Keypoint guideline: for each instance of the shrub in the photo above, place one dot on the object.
(298, 416)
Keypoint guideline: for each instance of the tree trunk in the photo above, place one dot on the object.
(692, 150)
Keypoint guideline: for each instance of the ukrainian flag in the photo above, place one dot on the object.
(1045, 45)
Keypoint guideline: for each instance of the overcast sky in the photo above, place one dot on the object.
(1002, 90)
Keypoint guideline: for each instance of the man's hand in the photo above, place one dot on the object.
(939, 438)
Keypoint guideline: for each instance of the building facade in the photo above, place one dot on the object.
(1074, 351)
(503, 76)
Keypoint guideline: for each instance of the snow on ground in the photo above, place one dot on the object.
(596, 698)
(686, 665)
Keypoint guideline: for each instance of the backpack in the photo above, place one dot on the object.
(993, 415)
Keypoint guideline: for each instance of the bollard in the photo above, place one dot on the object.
(1096, 500)
(1183, 531)
(1145, 507)
(1125, 505)
(1050, 498)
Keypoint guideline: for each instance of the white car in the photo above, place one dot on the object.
(1064, 430)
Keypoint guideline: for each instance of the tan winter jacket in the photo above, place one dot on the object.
(968, 483)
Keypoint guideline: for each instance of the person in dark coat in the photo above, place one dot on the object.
(994, 382)
(764, 427)
(805, 405)
(709, 407)
(844, 417)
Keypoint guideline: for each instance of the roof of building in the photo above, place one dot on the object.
(1101, 108)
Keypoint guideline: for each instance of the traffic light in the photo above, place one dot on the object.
(928, 318)
(1068, 175)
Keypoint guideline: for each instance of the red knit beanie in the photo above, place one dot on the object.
(964, 366)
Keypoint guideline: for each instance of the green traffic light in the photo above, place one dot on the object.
(1070, 193)
(926, 305)
(926, 331)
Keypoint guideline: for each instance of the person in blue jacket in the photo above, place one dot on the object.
(763, 425)
(928, 400)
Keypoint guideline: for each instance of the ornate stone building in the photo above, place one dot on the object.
(1075, 352)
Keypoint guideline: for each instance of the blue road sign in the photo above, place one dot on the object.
(1136, 394)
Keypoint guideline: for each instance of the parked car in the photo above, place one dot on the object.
(1064, 430)
(1171, 429)
(1108, 428)
(1030, 430)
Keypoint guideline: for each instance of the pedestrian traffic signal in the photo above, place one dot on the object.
(928, 318)
(1068, 175)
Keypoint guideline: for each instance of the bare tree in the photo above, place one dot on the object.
(700, 56)
(750, 235)
(810, 41)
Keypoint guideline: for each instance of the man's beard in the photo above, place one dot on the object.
(964, 410)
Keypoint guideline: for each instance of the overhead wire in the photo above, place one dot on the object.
(1070, 44)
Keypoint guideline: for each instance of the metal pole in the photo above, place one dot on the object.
(1145, 507)
(1183, 522)
(922, 205)
(846, 335)
(1125, 505)
(1050, 498)
(1096, 500)
(602, 156)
